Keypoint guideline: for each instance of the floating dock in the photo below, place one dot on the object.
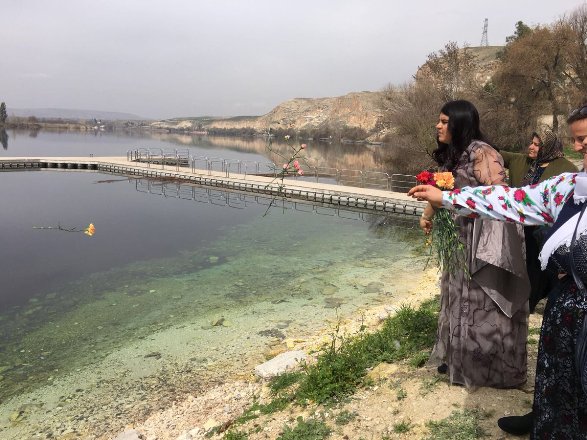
(372, 199)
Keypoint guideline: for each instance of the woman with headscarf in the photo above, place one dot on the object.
(560, 393)
(545, 159)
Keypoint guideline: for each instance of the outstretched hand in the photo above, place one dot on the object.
(428, 193)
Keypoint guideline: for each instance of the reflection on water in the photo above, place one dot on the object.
(4, 139)
(318, 154)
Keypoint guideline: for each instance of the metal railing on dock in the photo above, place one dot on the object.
(361, 178)
(371, 198)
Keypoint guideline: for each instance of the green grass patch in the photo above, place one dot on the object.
(342, 367)
(285, 381)
(402, 427)
(310, 429)
(419, 359)
(460, 425)
(235, 435)
(257, 409)
(344, 417)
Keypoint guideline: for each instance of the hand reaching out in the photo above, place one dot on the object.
(427, 192)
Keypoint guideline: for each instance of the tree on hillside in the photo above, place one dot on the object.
(451, 70)
(521, 31)
(532, 74)
(3, 114)
(576, 71)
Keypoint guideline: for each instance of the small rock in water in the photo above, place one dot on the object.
(218, 322)
(154, 354)
(274, 333)
(333, 302)
(374, 287)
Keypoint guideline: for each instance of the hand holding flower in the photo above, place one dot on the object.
(428, 193)
(440, 224)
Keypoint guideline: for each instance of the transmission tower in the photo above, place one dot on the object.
(484, 41)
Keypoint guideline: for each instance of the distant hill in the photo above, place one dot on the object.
(64, 113)
(357, 109)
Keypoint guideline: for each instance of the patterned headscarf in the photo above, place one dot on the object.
(551, 148)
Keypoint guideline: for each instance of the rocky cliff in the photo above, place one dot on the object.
(355, 110)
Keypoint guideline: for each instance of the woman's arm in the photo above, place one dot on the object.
(507, 157)
(530, 205)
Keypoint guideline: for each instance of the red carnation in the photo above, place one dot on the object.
(558, 199)
(425, 178)
(471, 203)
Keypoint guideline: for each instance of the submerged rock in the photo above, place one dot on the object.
(218, 322)
(274, 333)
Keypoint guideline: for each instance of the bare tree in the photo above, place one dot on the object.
(576, 72)
(532, 73)
(451, 70)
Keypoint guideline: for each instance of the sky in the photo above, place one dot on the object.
(176, 58)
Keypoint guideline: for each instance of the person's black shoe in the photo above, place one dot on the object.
(442, 369)
(516, 425)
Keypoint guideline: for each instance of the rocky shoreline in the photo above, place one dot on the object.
(203, 398)
(198, 414)
(400, 397)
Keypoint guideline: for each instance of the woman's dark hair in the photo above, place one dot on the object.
(578, 114)
(463, 126)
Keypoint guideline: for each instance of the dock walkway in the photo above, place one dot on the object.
(365, 198)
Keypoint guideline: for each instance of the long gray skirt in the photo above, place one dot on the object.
(481, 345)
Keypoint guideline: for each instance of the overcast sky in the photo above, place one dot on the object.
(168, 58)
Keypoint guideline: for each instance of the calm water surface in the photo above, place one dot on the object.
(319, 154)
(195, 276)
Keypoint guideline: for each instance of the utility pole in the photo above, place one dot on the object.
(484, 40)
